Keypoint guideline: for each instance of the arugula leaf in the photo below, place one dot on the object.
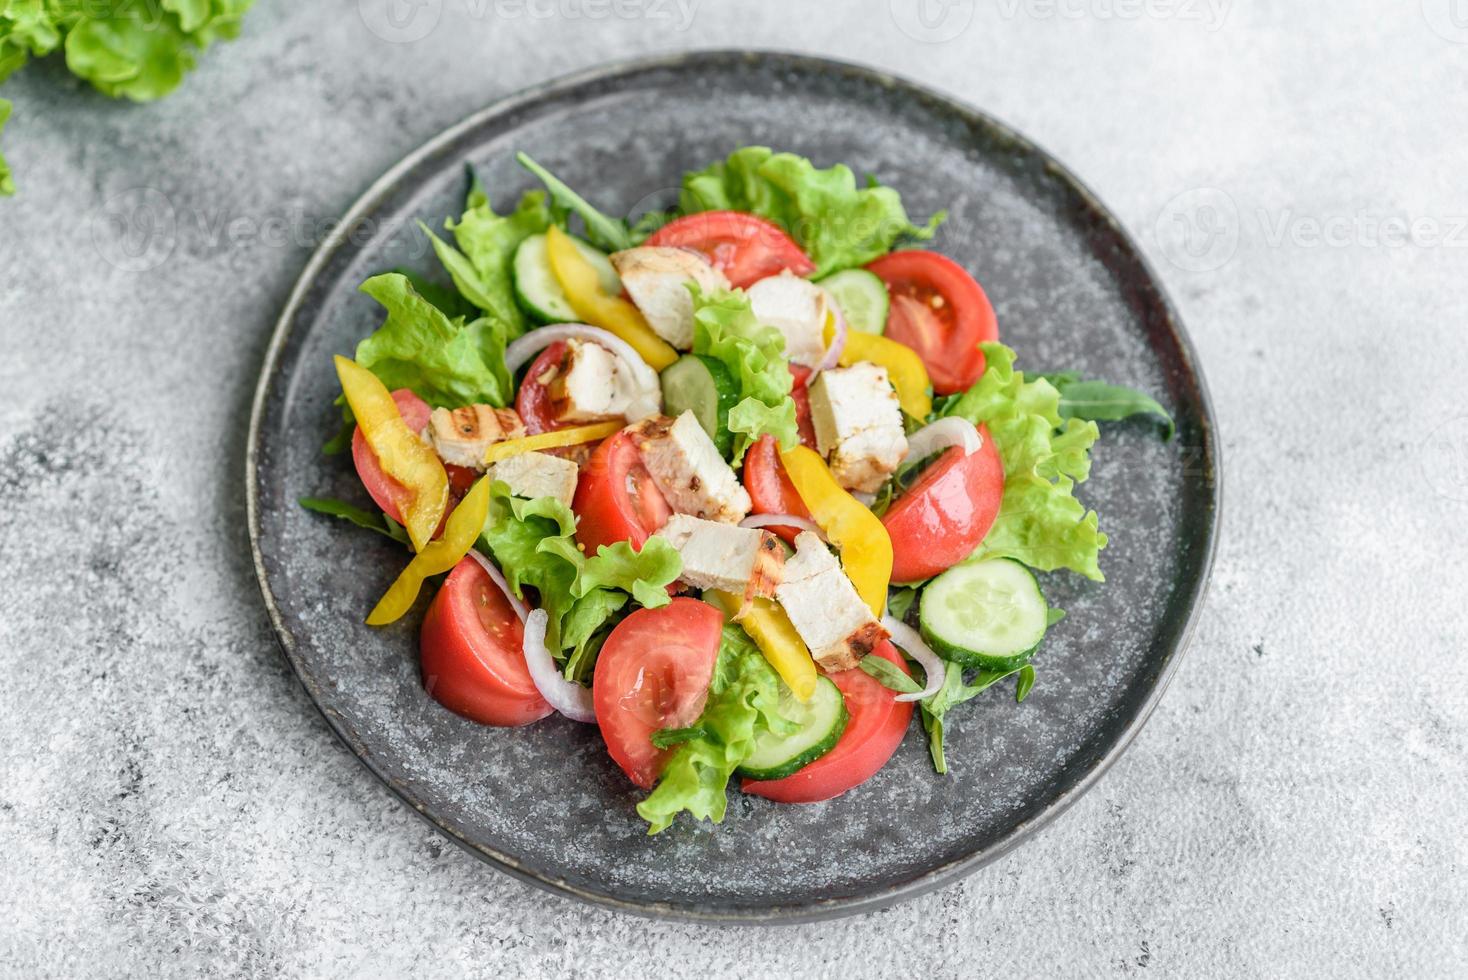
(606, 233)
(744, 698)
(1040, 521)
(888, 675)
(838, 225)
(955, 691)
(481, 265)
(725, 328)
(1099, 401)
(380, 523)
(901, 600)
(533, 541)
(446, 362)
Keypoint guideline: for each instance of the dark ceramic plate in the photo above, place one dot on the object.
(544, 802)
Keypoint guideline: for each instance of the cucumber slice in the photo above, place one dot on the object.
(862, 298)
(822, 719)
(536, 287)
(990, 614)
(704, 385)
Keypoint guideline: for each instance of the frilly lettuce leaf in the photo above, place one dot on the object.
(446, 362)
(744, 699)
(724, 327)
(1040, 521)
(533, 541)
(838, 224)
(480, 266)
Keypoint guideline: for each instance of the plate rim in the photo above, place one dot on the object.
(823, 909)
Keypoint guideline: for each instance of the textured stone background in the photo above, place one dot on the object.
(169, 800)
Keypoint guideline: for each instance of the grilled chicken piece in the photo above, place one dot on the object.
(460, 436)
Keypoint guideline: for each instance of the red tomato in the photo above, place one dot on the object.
(745, 248)
(533, 401)
(472, 648)
(800, 394)
(653, 672)
(616, 499)
(943, 517)
(387, 493)
(874, 729)
(769, 486)
(939, 311)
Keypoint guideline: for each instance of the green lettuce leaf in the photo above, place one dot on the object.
(1040, 521)
(533, 541)
(480, 266)
(744, 698)
(446, 362)
(7, 181)
(838, 224)
(725, 328)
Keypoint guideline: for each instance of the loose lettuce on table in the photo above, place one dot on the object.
(838, 224)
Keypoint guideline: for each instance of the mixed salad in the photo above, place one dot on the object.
(742, 484)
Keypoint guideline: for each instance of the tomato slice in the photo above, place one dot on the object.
(387, 493)
(533, 401)
(943, 517)
(743, 247)
(800, 394)
(653, 672)
(616, 499)
(941, 312)
(875, 728)
(472, 652)
(769, 486)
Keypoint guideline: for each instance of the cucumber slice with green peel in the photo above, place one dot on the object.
(862, 298)
(704, 385)
(822, 719)
(989, 615)
(536, 287)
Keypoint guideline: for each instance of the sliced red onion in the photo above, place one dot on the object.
(527, 346)
(906, 637)
(567, 697)
(944, 434)
(838, 338)
(498, 578)
(784, 520)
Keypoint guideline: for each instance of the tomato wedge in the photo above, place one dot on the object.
(743, 247)
(472, 652)
(941, 312)
(653, 672)
(387, 493)
(769, 486)
(800, 394)
(874, 729)
(942, 518)
(616, 499)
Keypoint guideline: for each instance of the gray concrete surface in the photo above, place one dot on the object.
(170, 803)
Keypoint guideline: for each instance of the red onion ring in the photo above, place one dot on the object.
(784, 520)
(944, 434)
(567, 697)
(838, 338)
(498, 578)
(933, 667)
(521, 351)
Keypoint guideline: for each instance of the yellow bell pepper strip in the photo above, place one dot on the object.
(774, 634)
(555, 439)
(613, 313)
(459, 534)
(904, 368)
(401, 454)
(866, 550)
